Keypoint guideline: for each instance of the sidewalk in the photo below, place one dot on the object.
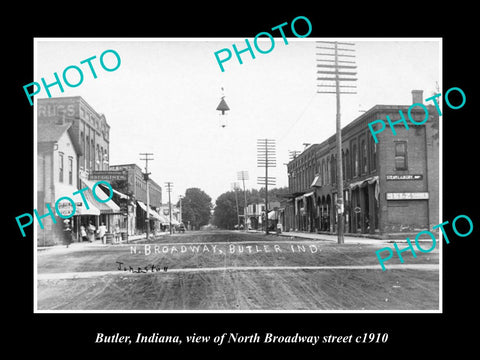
(97, 243)
(87, 244)
(355, 239)
(333, 238)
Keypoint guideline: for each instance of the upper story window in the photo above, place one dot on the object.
(364, 157)
(401, 155)
(348, 165)
(333, 170)
(324, 172)
(373, 155)
(355, 160)
(60, 167)
(70, 170)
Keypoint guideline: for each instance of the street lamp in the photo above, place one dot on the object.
(223, 107)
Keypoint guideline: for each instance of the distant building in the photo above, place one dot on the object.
(389, 187)
(164, 212)
(256, 213)
(136, 187)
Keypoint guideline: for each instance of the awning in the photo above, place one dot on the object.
(370, 180)
(65, 207)
(122, 196)
(316, 182)
(108, 207)
(272, 215)
(166, 220)
(363, 183)
(153, 214)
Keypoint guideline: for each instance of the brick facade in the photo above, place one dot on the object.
(405, 167)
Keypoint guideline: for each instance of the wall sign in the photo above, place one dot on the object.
(405, 177)
(407, 196)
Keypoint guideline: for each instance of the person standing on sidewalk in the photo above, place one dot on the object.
(102, 229)
(83, 233)
(91, 231)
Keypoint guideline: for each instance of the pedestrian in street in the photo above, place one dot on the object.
(91, 232)
(83, 233)
(102, 229)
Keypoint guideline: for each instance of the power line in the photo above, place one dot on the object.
(331, 71)
(298, 118)
(169, 186)
(146, 178)
(243, 175)
(266, 158)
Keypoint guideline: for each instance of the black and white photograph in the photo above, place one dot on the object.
(211, 175)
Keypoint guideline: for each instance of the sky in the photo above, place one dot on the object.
(162, 99)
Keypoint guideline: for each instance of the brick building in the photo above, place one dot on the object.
(72, 140)
(136, 187)
(389, 187)
(88, 128)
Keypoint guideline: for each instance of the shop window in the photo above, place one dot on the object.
(400, 155)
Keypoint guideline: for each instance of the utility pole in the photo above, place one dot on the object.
(146, 177)
(243, 175)
(180, 198)
(292, 154)
(169, 186)
(334, 68)
(266, 158)
(235, 187)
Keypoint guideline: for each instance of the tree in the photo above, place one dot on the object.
(225, 212)
(196, 206)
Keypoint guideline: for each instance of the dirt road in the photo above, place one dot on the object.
(234, 271)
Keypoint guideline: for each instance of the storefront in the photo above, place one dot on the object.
(364, 205)
(109, 214)
(156, 220)
(82, 216)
